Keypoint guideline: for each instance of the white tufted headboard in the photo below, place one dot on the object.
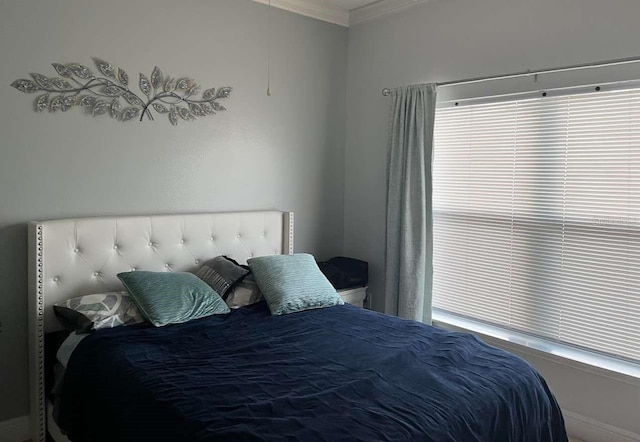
(69, 258)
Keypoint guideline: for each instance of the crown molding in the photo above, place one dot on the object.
(340, 16)
(313, 9)
(380, 9)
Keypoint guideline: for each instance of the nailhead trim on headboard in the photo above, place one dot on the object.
(40, 333)
(291, 215)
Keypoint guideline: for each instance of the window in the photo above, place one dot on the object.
(537, 217)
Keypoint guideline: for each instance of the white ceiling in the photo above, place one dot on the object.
(350, 4)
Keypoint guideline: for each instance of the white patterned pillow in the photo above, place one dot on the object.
(94, 312)
(244, 293)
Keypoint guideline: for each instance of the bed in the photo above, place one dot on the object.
(337, 373)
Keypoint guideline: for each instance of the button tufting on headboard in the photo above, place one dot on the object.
(100, 248)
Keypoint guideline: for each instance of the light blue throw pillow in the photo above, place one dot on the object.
(172, 298)
(292, 283)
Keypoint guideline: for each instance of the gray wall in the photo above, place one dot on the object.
(285, 152)
(451, 39)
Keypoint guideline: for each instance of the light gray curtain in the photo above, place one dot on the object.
(409, 248)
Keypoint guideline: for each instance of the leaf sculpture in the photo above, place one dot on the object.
(103, 94)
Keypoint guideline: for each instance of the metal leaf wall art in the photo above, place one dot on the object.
(108, 93)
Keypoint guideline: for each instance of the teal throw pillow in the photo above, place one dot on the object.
(172, 298)
(293, 283)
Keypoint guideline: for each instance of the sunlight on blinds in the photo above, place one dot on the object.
(537, 217)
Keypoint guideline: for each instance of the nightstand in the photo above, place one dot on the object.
(355, 296)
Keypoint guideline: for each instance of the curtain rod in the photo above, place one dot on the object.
(598, 64)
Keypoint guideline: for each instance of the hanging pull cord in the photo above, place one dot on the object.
(269, 51)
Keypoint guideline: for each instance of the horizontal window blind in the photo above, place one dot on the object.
(537, 217)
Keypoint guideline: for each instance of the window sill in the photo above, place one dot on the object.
(546, 349)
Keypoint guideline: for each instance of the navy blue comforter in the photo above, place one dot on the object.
(340, 373)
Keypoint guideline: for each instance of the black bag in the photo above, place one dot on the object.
(345, 273)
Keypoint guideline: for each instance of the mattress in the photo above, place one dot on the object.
(338, 373)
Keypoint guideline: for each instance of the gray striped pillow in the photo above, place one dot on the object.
(222, 273)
